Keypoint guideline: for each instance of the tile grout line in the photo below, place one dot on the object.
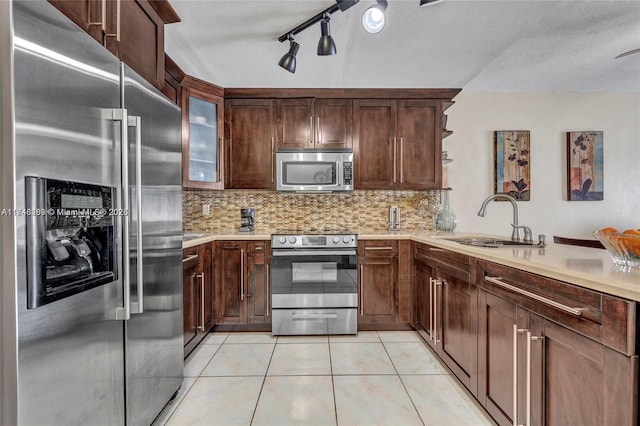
(333, 385)
(264, 379)
(401, 381)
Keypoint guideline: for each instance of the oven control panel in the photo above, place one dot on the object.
(314, 241)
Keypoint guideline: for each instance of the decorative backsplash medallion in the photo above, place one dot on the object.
(276, 211)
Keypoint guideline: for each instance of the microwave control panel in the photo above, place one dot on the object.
(347, 173)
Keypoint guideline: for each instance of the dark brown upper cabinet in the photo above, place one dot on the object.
(250, 143)
(397, 143)
(314, 123)
(133, 30)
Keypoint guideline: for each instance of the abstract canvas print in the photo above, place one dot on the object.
(513, 164)
(584, 166)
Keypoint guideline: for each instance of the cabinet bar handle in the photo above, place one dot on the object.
(318, 129)
(193, 307)
(273, 140)
(530, 339)
(401, 159)
(379, 248)
(436, 283)
(515, 375)
(431, 316)
(394, 159)
(241, 274)
(190, 257)
(104, 15)
(574, 311)
(268, 291)
(361, 290)
(311, 130)
(201, 327)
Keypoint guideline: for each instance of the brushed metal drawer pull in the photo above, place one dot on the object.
(190, 257)
(313, 316)
(379, 248)
(574, 311)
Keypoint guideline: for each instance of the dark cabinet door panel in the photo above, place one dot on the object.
(296, 123)
(231, 284)
(333, 121)
(375, 148)
(250, 147)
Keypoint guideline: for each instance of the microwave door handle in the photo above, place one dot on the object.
(136, 122)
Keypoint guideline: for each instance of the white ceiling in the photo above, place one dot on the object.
(470, 44)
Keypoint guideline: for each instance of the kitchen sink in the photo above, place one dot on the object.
(490, 242)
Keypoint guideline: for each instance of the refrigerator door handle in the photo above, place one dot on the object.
(136, 122)
(120, 114)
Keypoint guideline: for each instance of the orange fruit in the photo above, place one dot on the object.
(609, 229)
(631, 242)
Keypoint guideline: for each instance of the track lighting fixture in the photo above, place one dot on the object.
(288, 61)
(326, 45)
(373, 19)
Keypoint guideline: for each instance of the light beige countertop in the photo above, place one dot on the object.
(586, 267)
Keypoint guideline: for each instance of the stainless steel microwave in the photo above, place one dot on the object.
(317, 170)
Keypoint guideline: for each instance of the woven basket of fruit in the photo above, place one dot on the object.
(624, 247)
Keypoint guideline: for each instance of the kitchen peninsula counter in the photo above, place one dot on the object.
(585, 267)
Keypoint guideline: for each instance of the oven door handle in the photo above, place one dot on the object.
(293, 253)
(313, 316)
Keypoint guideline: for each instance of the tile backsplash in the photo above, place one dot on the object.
(277, 211)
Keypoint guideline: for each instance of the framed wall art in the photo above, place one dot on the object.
(584, 166)
(513, 163)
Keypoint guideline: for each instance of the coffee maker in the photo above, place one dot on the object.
(247, 220)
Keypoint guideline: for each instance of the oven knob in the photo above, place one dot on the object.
(292, 240)
(345, 239)
(336, 240)
(282, 240)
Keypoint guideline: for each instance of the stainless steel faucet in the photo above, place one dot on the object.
(515, 234)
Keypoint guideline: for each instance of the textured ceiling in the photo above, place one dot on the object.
(474, 45)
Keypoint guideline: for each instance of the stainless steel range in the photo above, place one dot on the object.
(314, 286)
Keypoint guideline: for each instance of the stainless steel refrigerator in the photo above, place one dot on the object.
(90, 230)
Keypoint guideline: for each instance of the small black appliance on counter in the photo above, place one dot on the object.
(247, 220)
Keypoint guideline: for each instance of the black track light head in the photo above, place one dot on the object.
(429, 2)
(326, 45)
(288, 61)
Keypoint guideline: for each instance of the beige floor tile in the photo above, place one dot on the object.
(300, 359)
(251, 338)
(362, 337)
(360, 358)
(214, 338)
(218, 401)
(441, 401)
(373, 400)
(303, 339)
(171, 407)
(198, 360)
(242, 359)
(296, 400)
(398, 336)
(414, 358)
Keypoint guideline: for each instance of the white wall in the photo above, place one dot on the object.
(548, 115)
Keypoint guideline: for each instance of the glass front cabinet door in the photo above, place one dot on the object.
(202, 130)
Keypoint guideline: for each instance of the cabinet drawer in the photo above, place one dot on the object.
(452, 263)
(378, 248)
(607, 319)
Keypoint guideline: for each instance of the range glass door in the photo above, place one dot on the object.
(317, 278)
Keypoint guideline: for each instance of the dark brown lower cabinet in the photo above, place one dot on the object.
(445, 310)
(242, 285)
(378, 269)
(535, 371)
(197, 281)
